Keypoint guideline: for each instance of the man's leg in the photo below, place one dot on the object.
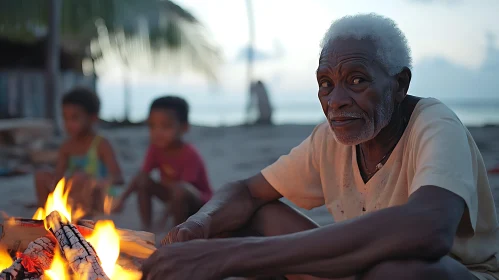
(277, 218)
(444, 269)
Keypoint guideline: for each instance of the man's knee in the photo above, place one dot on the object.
(443, 269)
(277, 218)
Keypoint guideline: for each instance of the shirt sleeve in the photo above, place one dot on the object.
(445, 157)
(150, 162)
(296, 175)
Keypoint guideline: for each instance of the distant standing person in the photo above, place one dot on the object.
(259, 97)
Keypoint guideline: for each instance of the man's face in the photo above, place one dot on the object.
(355, 91)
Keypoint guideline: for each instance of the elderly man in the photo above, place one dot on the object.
(401, 175)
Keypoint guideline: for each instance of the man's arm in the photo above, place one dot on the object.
(424, 228)
(294, 176)
(234, 204)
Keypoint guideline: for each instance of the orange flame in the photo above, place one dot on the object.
(58, 201)
(106, 242)
(58, 269)
(108, 204)
(5, 258)
(104, 238)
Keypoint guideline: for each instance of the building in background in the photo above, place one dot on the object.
(22, 77)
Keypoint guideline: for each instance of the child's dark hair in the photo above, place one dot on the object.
(174, 103)
(84, 97)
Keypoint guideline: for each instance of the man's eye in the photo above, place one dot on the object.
(325, 84)
(357, 81)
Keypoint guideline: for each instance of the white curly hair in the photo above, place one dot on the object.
(392, 49)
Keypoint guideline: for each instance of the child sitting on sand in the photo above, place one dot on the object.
(184, 182)
(85, 157)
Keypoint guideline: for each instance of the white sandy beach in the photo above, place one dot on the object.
(230, 153)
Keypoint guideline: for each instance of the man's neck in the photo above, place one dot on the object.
(375, 150)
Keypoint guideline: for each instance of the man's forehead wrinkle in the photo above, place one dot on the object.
(349, 61)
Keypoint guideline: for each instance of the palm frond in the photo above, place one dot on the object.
(156, 28)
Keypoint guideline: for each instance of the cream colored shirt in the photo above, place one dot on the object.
(435, 149)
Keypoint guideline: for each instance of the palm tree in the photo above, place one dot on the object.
(102, 28)
(251, 45)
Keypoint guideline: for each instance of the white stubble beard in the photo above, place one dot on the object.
(383, 111)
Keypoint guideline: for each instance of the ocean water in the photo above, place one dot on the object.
(472, 113)
(230, 109)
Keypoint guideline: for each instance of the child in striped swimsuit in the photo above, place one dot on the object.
(85, 157)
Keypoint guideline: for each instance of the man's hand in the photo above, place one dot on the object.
(196, 227)
(198, 259)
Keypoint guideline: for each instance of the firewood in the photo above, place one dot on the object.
(81, 256)
(17, 233)
(32, 262)
(13, 271)
(39, 255)
(17, 272)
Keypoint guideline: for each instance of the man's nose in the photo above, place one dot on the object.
(339, 99)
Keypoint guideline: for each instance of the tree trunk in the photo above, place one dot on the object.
(126, 95)
(53, 62)
(251, 45)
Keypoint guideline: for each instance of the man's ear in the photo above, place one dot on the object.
(403, 81)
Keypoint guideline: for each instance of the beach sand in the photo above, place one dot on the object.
(230, 153)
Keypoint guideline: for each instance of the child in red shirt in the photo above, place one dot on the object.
(184, 182)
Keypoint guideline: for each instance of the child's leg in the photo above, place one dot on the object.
(146, 189)
(186, 201)
(43, 186)
(81, 193)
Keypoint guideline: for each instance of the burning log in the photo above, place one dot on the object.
(12, 272)
(17, 272)
(38, 256)
(33, 262)
(80, 255)
(17, 233)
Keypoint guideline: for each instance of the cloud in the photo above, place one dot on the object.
(437, 76)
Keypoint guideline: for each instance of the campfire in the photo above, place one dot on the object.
(56, 244)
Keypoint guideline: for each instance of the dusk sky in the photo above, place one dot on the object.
(452, 56)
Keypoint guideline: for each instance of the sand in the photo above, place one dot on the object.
(230, 153)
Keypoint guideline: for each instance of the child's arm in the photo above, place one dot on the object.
(132, 187)
(148, 165)
(108, 157)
